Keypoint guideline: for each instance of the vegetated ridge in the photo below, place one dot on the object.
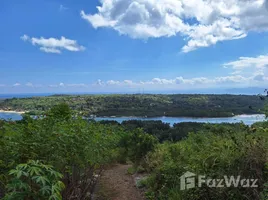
(150, 105)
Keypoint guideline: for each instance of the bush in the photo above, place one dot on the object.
(76, 148)
(34, 180)
(214, 155)
(136, 146)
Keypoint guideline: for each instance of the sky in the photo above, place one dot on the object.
(95, 46)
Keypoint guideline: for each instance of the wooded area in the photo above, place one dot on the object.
(149, 105)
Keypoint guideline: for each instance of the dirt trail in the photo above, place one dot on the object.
(116, 184)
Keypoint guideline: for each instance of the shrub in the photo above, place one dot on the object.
(76, 148)
(34, 180)
(214, 155)
(136, 145)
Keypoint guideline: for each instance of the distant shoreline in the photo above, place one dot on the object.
(12, 111)
(159, 117)
(142, 117)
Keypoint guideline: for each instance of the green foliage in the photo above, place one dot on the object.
(136, 146)
(131, 170)
(60, 112)
(34, 180)
(76, 148)
(165, 132)
(61, 148)
(188, 105)
(215, 153)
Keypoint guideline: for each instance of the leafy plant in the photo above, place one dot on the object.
(76, 148)
(137, 145)
(34, 180)
(214, 153)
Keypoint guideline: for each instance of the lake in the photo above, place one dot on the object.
(247, 119)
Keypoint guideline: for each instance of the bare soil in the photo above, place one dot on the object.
(116, 184)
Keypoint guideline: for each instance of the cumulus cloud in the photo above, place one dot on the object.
(161, 81)
(112, 82)
(99, 83)
(232, 79)
(54, 45)
(179, 80)
(129, 82)
(50, 50)
(201, 22)
(260, 77)
(258, 62)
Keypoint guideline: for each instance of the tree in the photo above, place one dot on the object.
(137, 145)
(60, 112)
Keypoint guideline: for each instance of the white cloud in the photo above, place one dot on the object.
(57, 85)
(76, 85)
(255, 79)
(232, 79)
(53, 86)
(190, 82)
(260, 77)
(161, 81)
(97, 20)
(50, 50)
(16, 84)
(99, 83)
(112, 82)
(62, 8)
(29, 84)
(201, 22)
(24, 37)
(258, 62)
(235, 72)
(129, 82)
(54, 45)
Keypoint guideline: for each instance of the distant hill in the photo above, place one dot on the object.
(150, 105)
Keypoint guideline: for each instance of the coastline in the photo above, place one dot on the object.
(186, 117)
(154, 117)
(12, 111)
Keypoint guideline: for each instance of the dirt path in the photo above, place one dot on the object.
(116, 184)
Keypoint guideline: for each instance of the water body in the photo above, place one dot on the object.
(10, 116)
(10, 96)
(246, 119)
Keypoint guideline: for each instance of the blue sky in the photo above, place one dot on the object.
(131, 46)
